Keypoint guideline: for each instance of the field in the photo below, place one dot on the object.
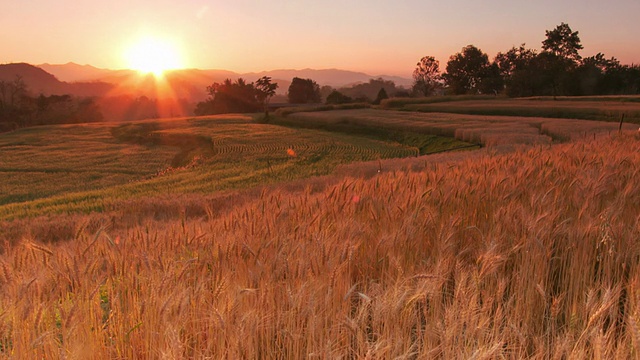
(486, 130)
(84, 168)
(214, 238)
(611, 108)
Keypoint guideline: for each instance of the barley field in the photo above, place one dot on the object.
(527, 254)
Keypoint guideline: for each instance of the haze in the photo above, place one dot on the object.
(377, 37)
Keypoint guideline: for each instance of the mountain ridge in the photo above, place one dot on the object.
(332, 77)
(188, 84)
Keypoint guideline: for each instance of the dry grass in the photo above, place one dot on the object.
(528, 254)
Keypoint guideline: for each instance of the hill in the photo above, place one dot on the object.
(201, 78)
(39, 81)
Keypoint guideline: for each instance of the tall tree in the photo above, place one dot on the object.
(229, 97)
(516, 70)
(426, 76)
(265, 90)
(303, 91)
(466, 71)
(515, 59)
(382, 94)
(563, 42)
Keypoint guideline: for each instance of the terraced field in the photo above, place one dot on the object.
(602, 108)
(486, 130)
(71, 168)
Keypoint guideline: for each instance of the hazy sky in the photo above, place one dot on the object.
(378, 37)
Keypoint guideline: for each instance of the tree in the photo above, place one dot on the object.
(229, 97)
(515, 59)
(490, 80)
(303, 91)
(382, 94)
(466, 70)
(337, 98)
(265, 90)
(426, 76)
(515, 67)
(369, 90)
(563, 42)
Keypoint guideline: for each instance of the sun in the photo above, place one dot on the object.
(153, 55)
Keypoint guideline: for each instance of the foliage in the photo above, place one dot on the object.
(563, 43)
(265, 90)
(382, 95)
(18, 108)
(303, 91)
(466, 71)
(559, 70)
(336, 98)
(365, 92)
(426, 76)
(230, 97)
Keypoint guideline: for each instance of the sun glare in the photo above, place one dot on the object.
(152, 55)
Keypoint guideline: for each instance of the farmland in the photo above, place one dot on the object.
(215, 238)
(83, 168)
(601, 108)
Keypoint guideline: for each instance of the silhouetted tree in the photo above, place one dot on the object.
(325, 91)
(364, 92)
(563, 43)
(229, 97)
(337, 98)
(466, 70)
(382, 94)
(426, 76)
(303, 91)
(490, 80)
(266, 89)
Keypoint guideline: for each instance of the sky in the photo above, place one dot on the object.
(376, 37)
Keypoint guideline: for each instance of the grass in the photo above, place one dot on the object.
(399, 103)
(84, 168)
(528, 254)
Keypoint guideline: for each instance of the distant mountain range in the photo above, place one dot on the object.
(189, 84)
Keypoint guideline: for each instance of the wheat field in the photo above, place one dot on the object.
(526, 254)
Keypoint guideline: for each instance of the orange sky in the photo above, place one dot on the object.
(377, 37)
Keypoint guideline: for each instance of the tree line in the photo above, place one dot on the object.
(18, 108)
(558, 69)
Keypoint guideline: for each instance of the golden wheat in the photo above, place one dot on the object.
(530, 253)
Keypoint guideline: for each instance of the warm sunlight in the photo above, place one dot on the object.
(153, 55)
